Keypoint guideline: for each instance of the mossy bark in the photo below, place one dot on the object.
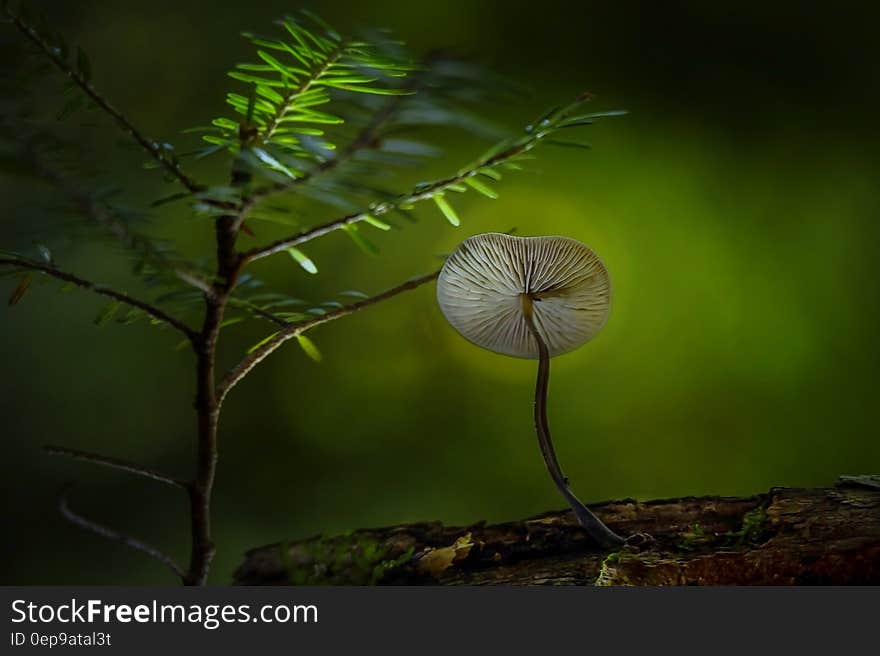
(783, 537)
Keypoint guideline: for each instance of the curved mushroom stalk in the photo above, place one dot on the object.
(603, 535)
(530, 297)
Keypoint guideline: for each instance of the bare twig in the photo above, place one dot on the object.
(239, 371)
(117, 536)
(151, 310)
(152, 147)
(194, 280)
(114, 463)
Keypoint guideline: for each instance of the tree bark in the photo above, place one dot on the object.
(787, 536)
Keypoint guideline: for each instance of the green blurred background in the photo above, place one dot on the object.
(735, 207)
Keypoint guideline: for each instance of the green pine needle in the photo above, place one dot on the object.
(302, 259)
(377, 223)
(263, 341)
(294, 77)
(478, 186)
(106, 313)
(447, 210)
(309, 348)
(362, 242)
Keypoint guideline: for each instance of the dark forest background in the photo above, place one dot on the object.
(736, 208)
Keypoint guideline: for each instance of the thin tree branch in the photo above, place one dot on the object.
(258, 311)
(114, 463)
(105, 216)
(151, 310)
(291, 330)
(366, 138)
(502, 153)
(419, 194)
(195, 280)
(117, 536)
(99, 213)
(152, 147)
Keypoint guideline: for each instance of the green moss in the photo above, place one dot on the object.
(606, 570)
(344, 560)
(692, 539)
(754, 528)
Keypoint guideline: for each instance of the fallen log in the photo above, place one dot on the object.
(787, 536)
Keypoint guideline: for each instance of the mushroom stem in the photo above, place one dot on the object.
(597, 530)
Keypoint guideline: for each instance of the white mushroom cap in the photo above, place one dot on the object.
(482, 287)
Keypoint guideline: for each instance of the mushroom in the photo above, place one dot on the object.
(530, 297)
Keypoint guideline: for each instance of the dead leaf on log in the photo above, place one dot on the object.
(437, 561)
